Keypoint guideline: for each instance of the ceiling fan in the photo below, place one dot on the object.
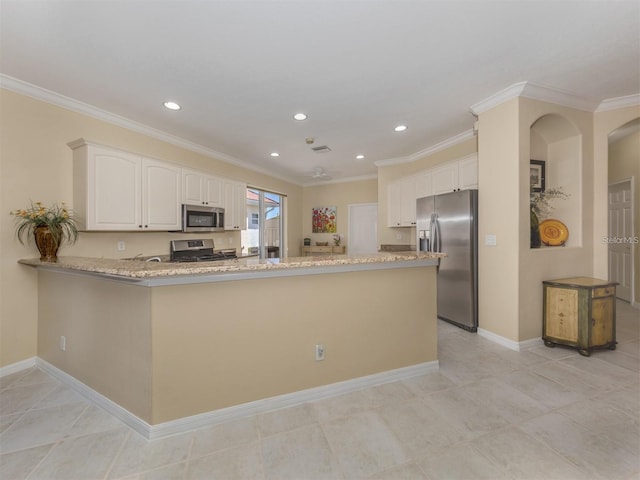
(319, 174)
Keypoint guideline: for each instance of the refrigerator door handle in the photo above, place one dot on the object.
(432, 237)
(436, 233)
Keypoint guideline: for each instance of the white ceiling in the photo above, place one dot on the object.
(241, 69)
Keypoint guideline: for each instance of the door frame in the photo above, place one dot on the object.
(349, 207)
(630, 181)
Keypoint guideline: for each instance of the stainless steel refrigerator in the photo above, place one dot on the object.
(449, 223)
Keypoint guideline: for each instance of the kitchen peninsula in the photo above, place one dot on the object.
(166, 341)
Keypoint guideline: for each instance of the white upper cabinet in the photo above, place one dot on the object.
(401, 203)
(235, 205)
(468, 172)
(199, 188)
(394, 205)
(451, 176)
(445, 178)
(161, 195)
(116, 190)
(424, 184)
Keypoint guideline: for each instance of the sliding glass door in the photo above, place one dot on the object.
(265, 233)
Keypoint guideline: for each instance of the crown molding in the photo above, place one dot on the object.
(359, 178)
(438, 147)
(619, 102)
(535, 92)
(39, 93)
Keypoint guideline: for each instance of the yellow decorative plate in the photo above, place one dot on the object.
(553, 232)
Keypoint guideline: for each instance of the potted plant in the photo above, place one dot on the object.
(49, 227)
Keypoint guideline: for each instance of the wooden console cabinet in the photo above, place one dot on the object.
(316, 249)
(579, 312)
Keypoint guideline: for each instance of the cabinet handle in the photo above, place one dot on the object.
(139, 226)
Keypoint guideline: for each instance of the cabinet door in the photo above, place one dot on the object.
(235, 205)
(424, 186)
(468, 173)
(445, 178)
(408, 202)
(562, 314)
(192, 187)
(394, 204)
(162, 194)
(602, 321)
(214, 191)
(114, 200)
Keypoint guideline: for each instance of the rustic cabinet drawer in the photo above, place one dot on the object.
(604, 292)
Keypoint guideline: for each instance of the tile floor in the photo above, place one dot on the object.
(488, 413)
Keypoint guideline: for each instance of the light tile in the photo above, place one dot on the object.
(40, 427)
(177, 471)
(600, 417)
(602, 374)
(223, 436)
(86, 457)
(410, 471)
(286, 419)
(241, 462)
(544, 390)
(524, 458)
(597, 455)
(22, 398)
(364, 445)
(288, 455)
(419, 428)
(464, 413)
(342, 405)
(17, 465)
(61, 395)
(139, 454)
(428, 383)
(8, 380)
(461, 462)
(626, 400)
(93, 420)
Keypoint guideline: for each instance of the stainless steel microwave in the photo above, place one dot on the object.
(198, 218)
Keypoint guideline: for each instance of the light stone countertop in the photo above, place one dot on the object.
(168, 273)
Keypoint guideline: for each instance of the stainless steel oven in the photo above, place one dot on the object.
(198, 218)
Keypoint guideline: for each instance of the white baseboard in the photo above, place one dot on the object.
(17, 367)
(183, 425)
(510, 344)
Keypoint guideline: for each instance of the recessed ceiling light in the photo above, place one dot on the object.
(172, 105)
(275, 154)
(400, 128)
(360, 157)
(300, 116)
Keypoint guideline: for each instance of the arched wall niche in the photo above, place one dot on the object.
(558, 142)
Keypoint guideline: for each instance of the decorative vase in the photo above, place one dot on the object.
(46, 243)
(536, 242)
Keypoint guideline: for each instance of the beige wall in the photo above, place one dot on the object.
(169, 356)
(387, 174)
(499, 214)
(340, 195)
(36, 164)
(624, 163)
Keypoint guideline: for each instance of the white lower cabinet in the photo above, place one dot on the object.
(116, 190)
(235, 205)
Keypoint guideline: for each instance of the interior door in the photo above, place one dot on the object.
(363, 229)
(620, 238)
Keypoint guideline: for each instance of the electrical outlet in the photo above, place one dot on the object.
(319, 352)
(121, 246)
(63, 343)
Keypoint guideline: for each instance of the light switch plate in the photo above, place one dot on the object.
(490, 240)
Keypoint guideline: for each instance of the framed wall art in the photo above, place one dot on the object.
(324, 219)
(536, 175)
